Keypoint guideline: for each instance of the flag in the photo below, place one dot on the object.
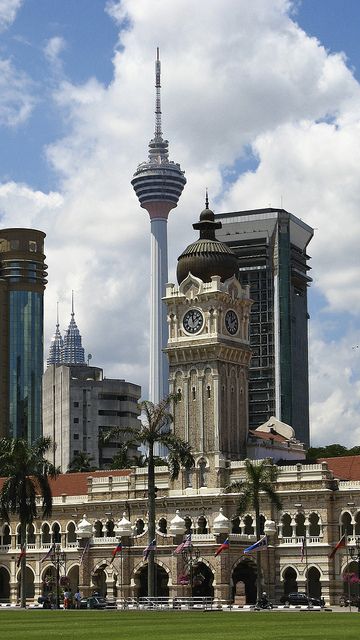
(257, 546)
(302, 551)
(118, 549)
(224, 545)
(339, 545)
(185, 544)
(86, 548)
(21, 555)
(48, 553)
(150, 547)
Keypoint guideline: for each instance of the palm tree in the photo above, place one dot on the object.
(155, 428)
(260, 478)
(27, 473)
(81, 461)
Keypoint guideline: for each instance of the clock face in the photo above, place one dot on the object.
(231, 322)
(193, 321)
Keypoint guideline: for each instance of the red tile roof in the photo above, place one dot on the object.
(267, 435)
(75, 484)
(344, 467)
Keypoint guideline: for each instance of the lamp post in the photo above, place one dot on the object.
(124, 532)
(270, 532)
(191, 556)
(58, 559)
(355, 556)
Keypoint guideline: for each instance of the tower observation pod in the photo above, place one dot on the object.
(158, 184)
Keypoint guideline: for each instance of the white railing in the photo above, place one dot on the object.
(352, 540)
(202, 537)
(5, 547)
(349, 484)
(105, 540)
(242, 537)
(71, 545)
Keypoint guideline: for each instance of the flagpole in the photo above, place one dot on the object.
(306, 569)
(347, 564)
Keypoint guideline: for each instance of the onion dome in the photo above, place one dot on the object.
(177, 525)
(207, 256)
(124, 527)
(221, 523)
(269, 527)
(84, 529)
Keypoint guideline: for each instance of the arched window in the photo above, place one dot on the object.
(139, 527)
(300, 530)
(193, 390)
(357, 524)
(6, 535)
(202, 473)
(45, 534)
(208, 391)
(188, 524)
(70, 533)
(31, 534)
(290, 581)
(235, 528)
(286, 526)
(56, 535)
(314, 528)
(346, 526)
(110, 528)
(249, 528)
(98, 526)
(162, 526)
(188, 476)
(202, 525)
(179, 395)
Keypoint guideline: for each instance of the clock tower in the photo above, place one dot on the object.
(209, 353)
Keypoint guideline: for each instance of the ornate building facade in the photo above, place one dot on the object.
(316, 505)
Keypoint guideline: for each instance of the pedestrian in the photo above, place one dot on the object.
(66, 599)
(77, 598)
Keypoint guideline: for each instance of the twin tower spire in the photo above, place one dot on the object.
(67, 350)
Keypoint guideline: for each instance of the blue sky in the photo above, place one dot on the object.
(254, 107)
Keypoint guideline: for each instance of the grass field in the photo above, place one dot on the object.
(168, 625)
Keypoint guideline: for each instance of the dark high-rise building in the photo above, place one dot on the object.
(22, 284)
(271, 247)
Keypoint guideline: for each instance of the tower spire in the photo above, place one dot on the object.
(72, 303)
(158, 132)
(56, 345)
(73, 351)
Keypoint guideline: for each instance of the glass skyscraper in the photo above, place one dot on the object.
(22, 284)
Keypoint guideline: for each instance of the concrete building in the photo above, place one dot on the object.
(79, 405)
(22, 284)
(271, 246)
(158, 184)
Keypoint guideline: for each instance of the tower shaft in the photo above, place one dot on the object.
(158, 323)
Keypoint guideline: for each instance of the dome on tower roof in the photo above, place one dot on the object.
(207, 256)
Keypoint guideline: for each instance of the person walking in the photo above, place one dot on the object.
(77, 598)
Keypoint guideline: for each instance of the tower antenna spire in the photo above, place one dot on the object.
(72, 303)
(158, 132)
(57, 314)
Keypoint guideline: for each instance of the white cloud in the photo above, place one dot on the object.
(234, 73)
(8, 12)
(53, 49)
(16, 95)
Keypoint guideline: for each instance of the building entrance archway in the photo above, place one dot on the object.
(29, 584)
(73, 575)
(203, 579)
(290, 581)
(314, 584)
(99, 580)
(161, 582)
(244, 580)
(4, 585)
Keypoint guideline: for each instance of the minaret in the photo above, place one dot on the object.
(158, 184)
(57, 343)
(73, 351)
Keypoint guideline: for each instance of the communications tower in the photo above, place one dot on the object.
(158, 184)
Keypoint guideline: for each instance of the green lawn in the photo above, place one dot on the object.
(168, 625)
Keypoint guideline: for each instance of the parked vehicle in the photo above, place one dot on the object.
(97, 602)
(300, 598)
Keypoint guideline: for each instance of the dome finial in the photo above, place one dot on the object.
(206, 198)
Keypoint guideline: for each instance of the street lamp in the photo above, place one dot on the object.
(190, 557)
(58, 559)
(355, 556)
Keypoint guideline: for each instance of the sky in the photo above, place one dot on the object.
(261, 104)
